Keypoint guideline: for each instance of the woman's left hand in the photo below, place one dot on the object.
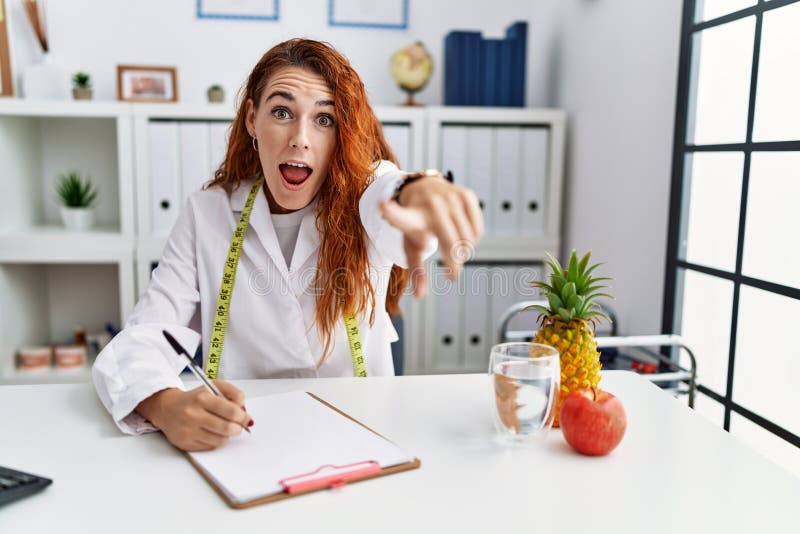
(432, 206)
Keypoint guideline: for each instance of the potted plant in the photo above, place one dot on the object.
(81, 86)
(216, 93)
(77, 196)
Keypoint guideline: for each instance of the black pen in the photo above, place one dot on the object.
(196, 370)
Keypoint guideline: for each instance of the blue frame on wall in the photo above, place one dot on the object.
(403, 25)
(201, 14)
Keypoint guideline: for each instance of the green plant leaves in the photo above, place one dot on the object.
(74, 191)
(572, 291)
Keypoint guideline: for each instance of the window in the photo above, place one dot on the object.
(733, 259)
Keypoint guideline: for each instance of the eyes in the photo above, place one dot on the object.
(324, 120)
(280, 114)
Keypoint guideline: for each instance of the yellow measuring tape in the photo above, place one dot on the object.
(354, 339)
(226, 292)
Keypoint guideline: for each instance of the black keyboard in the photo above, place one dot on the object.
(16, 484)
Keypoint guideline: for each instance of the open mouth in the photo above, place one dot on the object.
(294, 174)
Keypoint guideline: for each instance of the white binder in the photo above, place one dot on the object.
(511, 284)
(449, 322)
(534, 177)
(454, 153)
(399, 138)
(503, 295)
(477, 339)
(164, 176)
(195, 157)
(480, 148)
(218, 132)
(507, 171)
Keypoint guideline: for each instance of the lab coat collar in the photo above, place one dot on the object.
(261, 222)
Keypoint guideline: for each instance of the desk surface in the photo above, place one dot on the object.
(673, 472)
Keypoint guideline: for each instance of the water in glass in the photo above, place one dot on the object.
(525, 390)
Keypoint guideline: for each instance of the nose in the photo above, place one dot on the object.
(299, 137)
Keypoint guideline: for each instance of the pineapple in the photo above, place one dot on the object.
(568, 324)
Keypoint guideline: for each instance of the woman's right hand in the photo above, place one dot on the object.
(197, 420)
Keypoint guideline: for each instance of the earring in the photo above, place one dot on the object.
(255, 147)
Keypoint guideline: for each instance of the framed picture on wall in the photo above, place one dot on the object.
(238, 9)
(140, 83)
(385, 15)
(6, 80)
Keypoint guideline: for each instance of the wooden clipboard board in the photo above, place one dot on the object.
(414, 464)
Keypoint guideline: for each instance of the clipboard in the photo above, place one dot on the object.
(324, 476)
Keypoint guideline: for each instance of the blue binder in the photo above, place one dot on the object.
(517, 35)
(473, 70)
(453, 69)
(505, 73)
(485, 72)
(490, 49)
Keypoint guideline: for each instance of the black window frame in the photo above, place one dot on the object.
(681, 149)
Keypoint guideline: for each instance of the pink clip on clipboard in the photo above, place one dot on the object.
(341, 475)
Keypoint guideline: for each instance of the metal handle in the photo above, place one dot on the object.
(659, 340)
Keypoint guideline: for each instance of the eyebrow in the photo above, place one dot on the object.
(290, 97)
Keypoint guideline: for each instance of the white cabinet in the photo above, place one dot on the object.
(513, 160)
(53, 280)
(462, 316)
(146, 159)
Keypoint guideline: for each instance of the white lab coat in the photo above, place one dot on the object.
(270, 328)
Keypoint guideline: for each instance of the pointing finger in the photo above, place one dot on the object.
(474, 213)
(445, 230)
(404, 219)
(416, 266)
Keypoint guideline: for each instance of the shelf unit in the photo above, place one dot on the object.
(41, 263)
(50, 278)
(513, 159)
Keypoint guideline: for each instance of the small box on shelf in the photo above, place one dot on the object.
(70, 356)
(40, 357)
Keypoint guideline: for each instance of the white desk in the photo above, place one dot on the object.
(673, 472)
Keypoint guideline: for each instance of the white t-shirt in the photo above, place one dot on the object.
(287, 228)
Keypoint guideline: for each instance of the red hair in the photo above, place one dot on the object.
(342, 280)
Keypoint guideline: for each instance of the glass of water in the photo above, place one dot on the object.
(526, 379)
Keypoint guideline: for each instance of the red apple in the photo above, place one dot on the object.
(593, 421)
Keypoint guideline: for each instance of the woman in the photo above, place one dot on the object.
(326, 222)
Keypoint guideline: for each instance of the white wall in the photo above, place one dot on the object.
(611, 64)
(96, 35)
(617, 79)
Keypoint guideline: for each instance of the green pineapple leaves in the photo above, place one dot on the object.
(572, 291)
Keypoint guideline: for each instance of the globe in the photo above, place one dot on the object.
(411, 68)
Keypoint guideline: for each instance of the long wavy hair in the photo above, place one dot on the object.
(342, 280)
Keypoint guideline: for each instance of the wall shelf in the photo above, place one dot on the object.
(22, 107)
(51, 375)
(54, 244)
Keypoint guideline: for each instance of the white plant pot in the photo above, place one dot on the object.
(77, 219)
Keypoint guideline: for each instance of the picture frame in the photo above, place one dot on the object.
(6, 77)
(238, 9)
(385, 15)
(143, 83)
